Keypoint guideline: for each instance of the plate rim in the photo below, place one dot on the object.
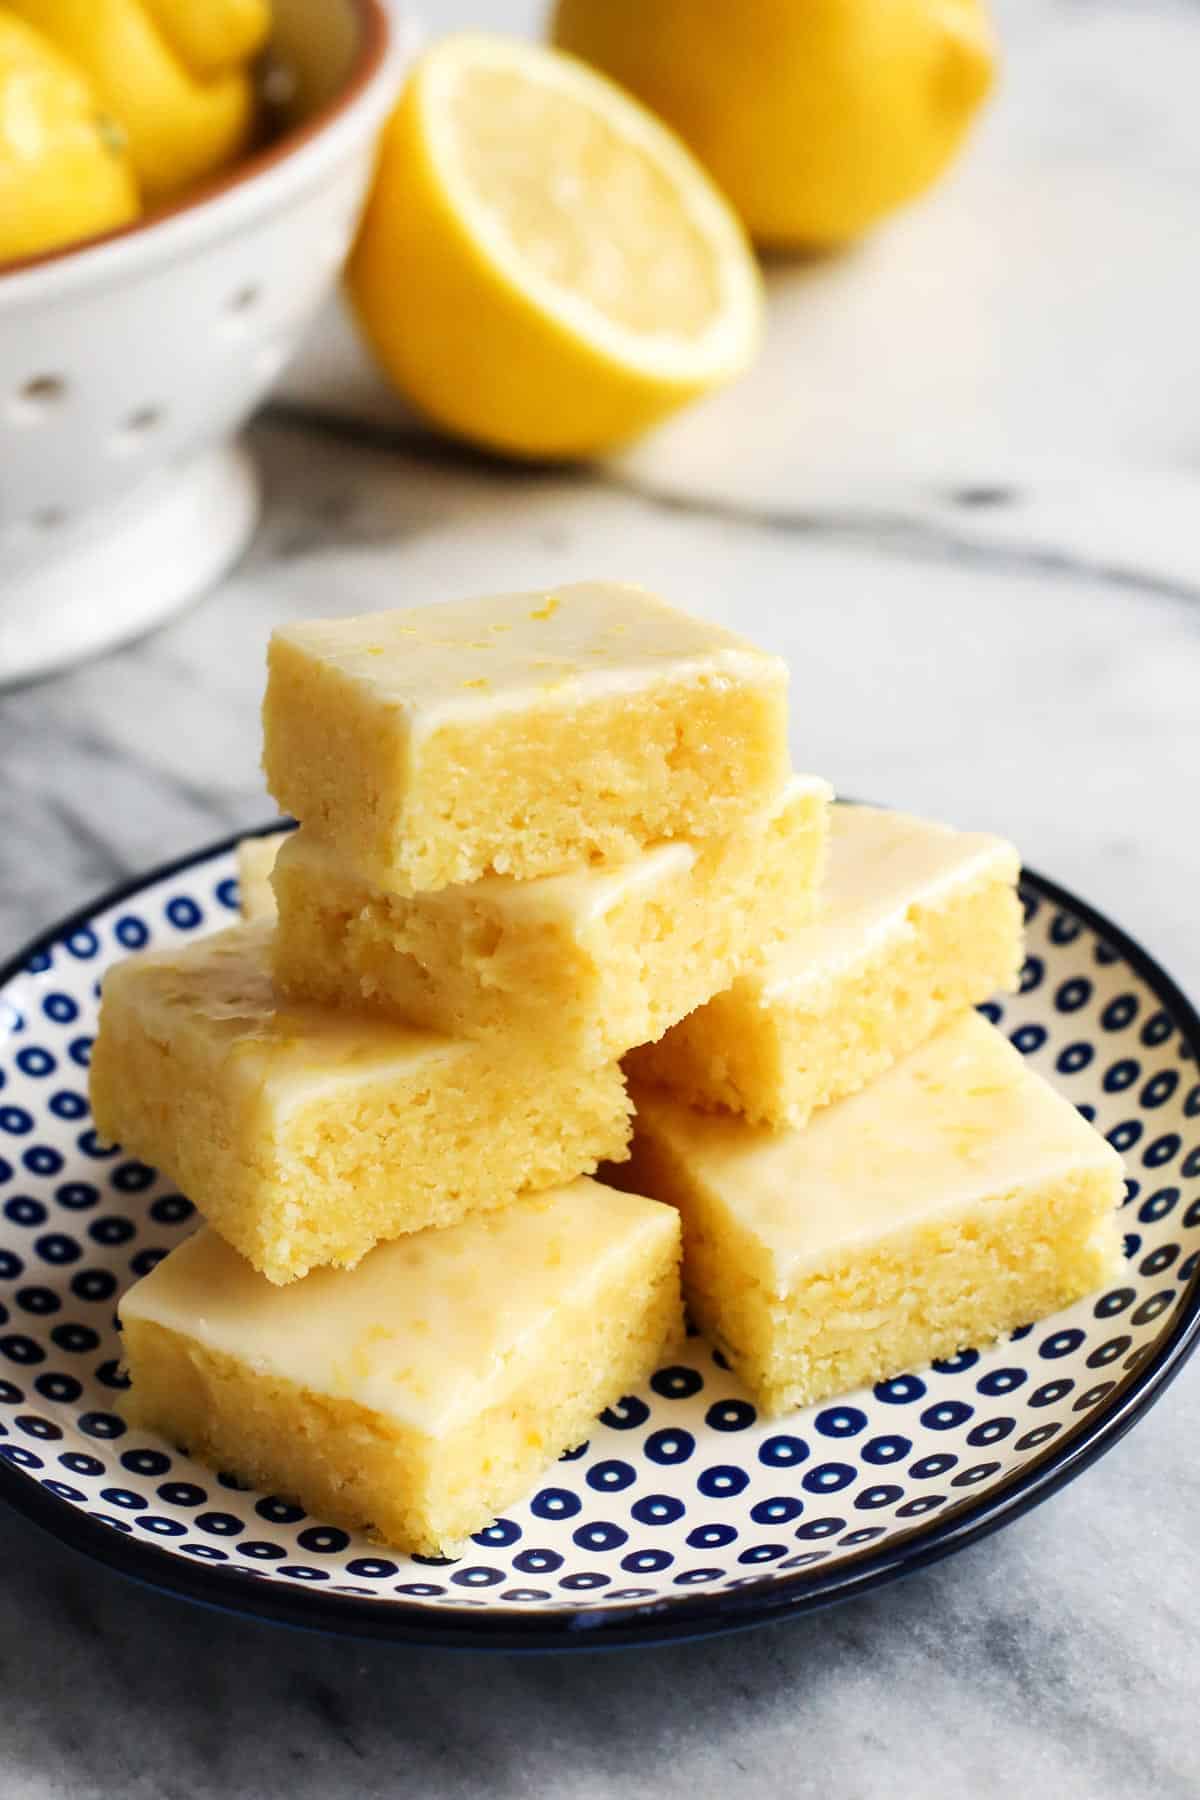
(630, 1625)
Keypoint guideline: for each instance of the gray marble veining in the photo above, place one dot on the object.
(961, 496)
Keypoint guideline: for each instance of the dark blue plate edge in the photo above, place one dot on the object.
(663, 1621)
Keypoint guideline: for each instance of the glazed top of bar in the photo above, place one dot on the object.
(428, 1329)
(220, 987)
(880, 865)
(960, 1121)
(468, 657)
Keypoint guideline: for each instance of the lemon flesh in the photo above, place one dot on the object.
(816, 117)
(64, 170)
(542, 267)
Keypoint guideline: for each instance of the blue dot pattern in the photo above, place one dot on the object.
(682, 1487)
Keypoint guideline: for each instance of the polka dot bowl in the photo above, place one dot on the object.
(684, 1513)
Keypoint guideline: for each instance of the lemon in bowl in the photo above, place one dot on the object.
(175, 75)
(129, 361)
(65, 171)
(543, 268)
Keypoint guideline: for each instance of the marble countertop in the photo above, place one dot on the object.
(960, 494)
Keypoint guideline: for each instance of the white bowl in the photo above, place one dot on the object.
(128, 364)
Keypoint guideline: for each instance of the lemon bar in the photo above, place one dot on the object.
(519, 735)
(255, 861)
(957, 1197)
(593, 961)
(423, 1391)
(916, 923)
(306, 1136)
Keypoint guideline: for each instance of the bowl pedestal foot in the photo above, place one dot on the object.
(124, 568)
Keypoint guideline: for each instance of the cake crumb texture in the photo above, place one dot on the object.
(439, 744)
(418, 1395)
(958, 1197)
(255, 857)
(306, 1136)
(833, 1007)
(594, 961)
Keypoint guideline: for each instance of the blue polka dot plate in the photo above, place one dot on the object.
(684, 1513)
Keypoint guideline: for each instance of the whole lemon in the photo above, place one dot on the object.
(817, 117)
(64, 169)
(214, 36)
(180, 129)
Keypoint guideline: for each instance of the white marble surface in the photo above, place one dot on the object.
(961, 494)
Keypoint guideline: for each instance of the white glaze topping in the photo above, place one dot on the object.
(220, 986)
(881, 865)
(427, 1330)
(962, 1119)
(469, 658)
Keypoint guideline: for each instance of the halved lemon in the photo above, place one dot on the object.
(542, 267)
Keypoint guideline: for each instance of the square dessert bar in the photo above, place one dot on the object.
(916, 923)
(592, 962)
(519, 735)
(423, 1391)
(306, 1136)
(957, 1197)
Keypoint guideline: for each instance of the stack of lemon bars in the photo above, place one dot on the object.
(557, 904)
